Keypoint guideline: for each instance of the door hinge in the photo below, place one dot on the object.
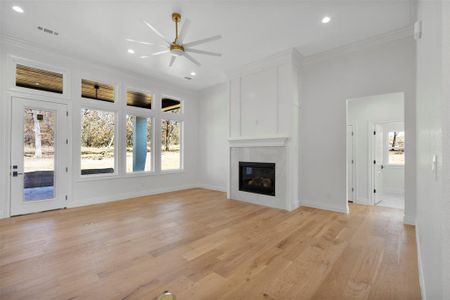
(375, 191)
(67, 169)
(66, 197)
(374, 162)
(67, 141)
(353, 161)
(353, 133)
(353, 189)
(67, 113)
(374, 132)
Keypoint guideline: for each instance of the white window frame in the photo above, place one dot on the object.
(391, 127)
(101, 107)
(13, 61)
(171, 117)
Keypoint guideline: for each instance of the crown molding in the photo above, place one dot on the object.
(399, 34)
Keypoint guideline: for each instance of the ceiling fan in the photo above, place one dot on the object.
(178, 47)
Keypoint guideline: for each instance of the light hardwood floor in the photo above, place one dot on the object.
(201, 246)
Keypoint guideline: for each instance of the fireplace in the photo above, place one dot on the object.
(256, 177)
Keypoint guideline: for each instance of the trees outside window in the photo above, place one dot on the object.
(97, 141)
(170, 145)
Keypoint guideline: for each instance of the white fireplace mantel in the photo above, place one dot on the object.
(240, 142)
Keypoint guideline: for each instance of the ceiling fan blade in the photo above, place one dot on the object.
(157, 32)
(184, 30)
(193, 60)
(198, 42)
(202, 52)
(172, 60)
(161, 52)
(139, 42)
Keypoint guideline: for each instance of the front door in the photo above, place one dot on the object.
(39, 156)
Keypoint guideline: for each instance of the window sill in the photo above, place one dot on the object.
(83, 178)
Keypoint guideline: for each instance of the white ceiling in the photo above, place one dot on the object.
(251, 30)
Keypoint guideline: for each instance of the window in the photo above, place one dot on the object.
(97, 141)
(396, 147)
(98, 91)
(170, 145)
(38, 79)
(139, 143)
(171, 105)
(138, 99)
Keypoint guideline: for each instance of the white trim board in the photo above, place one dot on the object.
(329, 207)
(420, 267)
(127, 196)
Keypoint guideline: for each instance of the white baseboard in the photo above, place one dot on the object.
(420, 267)
(363, 201)
(409, 220)
(330, 207)
(212, 187)
(117, 197)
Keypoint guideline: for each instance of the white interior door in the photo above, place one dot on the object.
(39, 150)
(378, 167)
(350, 164)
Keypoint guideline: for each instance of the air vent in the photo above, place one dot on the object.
(47, 30)
(188, 78)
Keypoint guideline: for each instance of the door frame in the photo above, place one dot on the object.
(67, 178)
(352, 138)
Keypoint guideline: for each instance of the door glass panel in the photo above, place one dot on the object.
(39, 155)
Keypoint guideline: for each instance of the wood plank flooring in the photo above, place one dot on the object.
(199, 245)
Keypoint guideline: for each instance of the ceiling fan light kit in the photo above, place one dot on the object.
(177, 48)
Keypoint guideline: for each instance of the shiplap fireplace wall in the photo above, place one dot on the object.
(264, 126)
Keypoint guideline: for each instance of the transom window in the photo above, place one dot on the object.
(138, 99)
(39, 79)
(98, 91)
(171, 105)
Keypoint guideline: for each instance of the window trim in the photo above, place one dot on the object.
(116, 173)
(181, 168)
(13, 61)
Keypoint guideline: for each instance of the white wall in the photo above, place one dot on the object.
(362, 114)
(213, 137)
(433, 194)
(327, 84)
(88, 191)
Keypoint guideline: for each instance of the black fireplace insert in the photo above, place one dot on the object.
(256, 177)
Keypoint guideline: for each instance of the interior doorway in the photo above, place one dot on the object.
(39, 156)
(375, 150)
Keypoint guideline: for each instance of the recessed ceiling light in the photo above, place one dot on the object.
(193, 73)
(326, 20)
(143, 56)
(18, 9)
(131, 51)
